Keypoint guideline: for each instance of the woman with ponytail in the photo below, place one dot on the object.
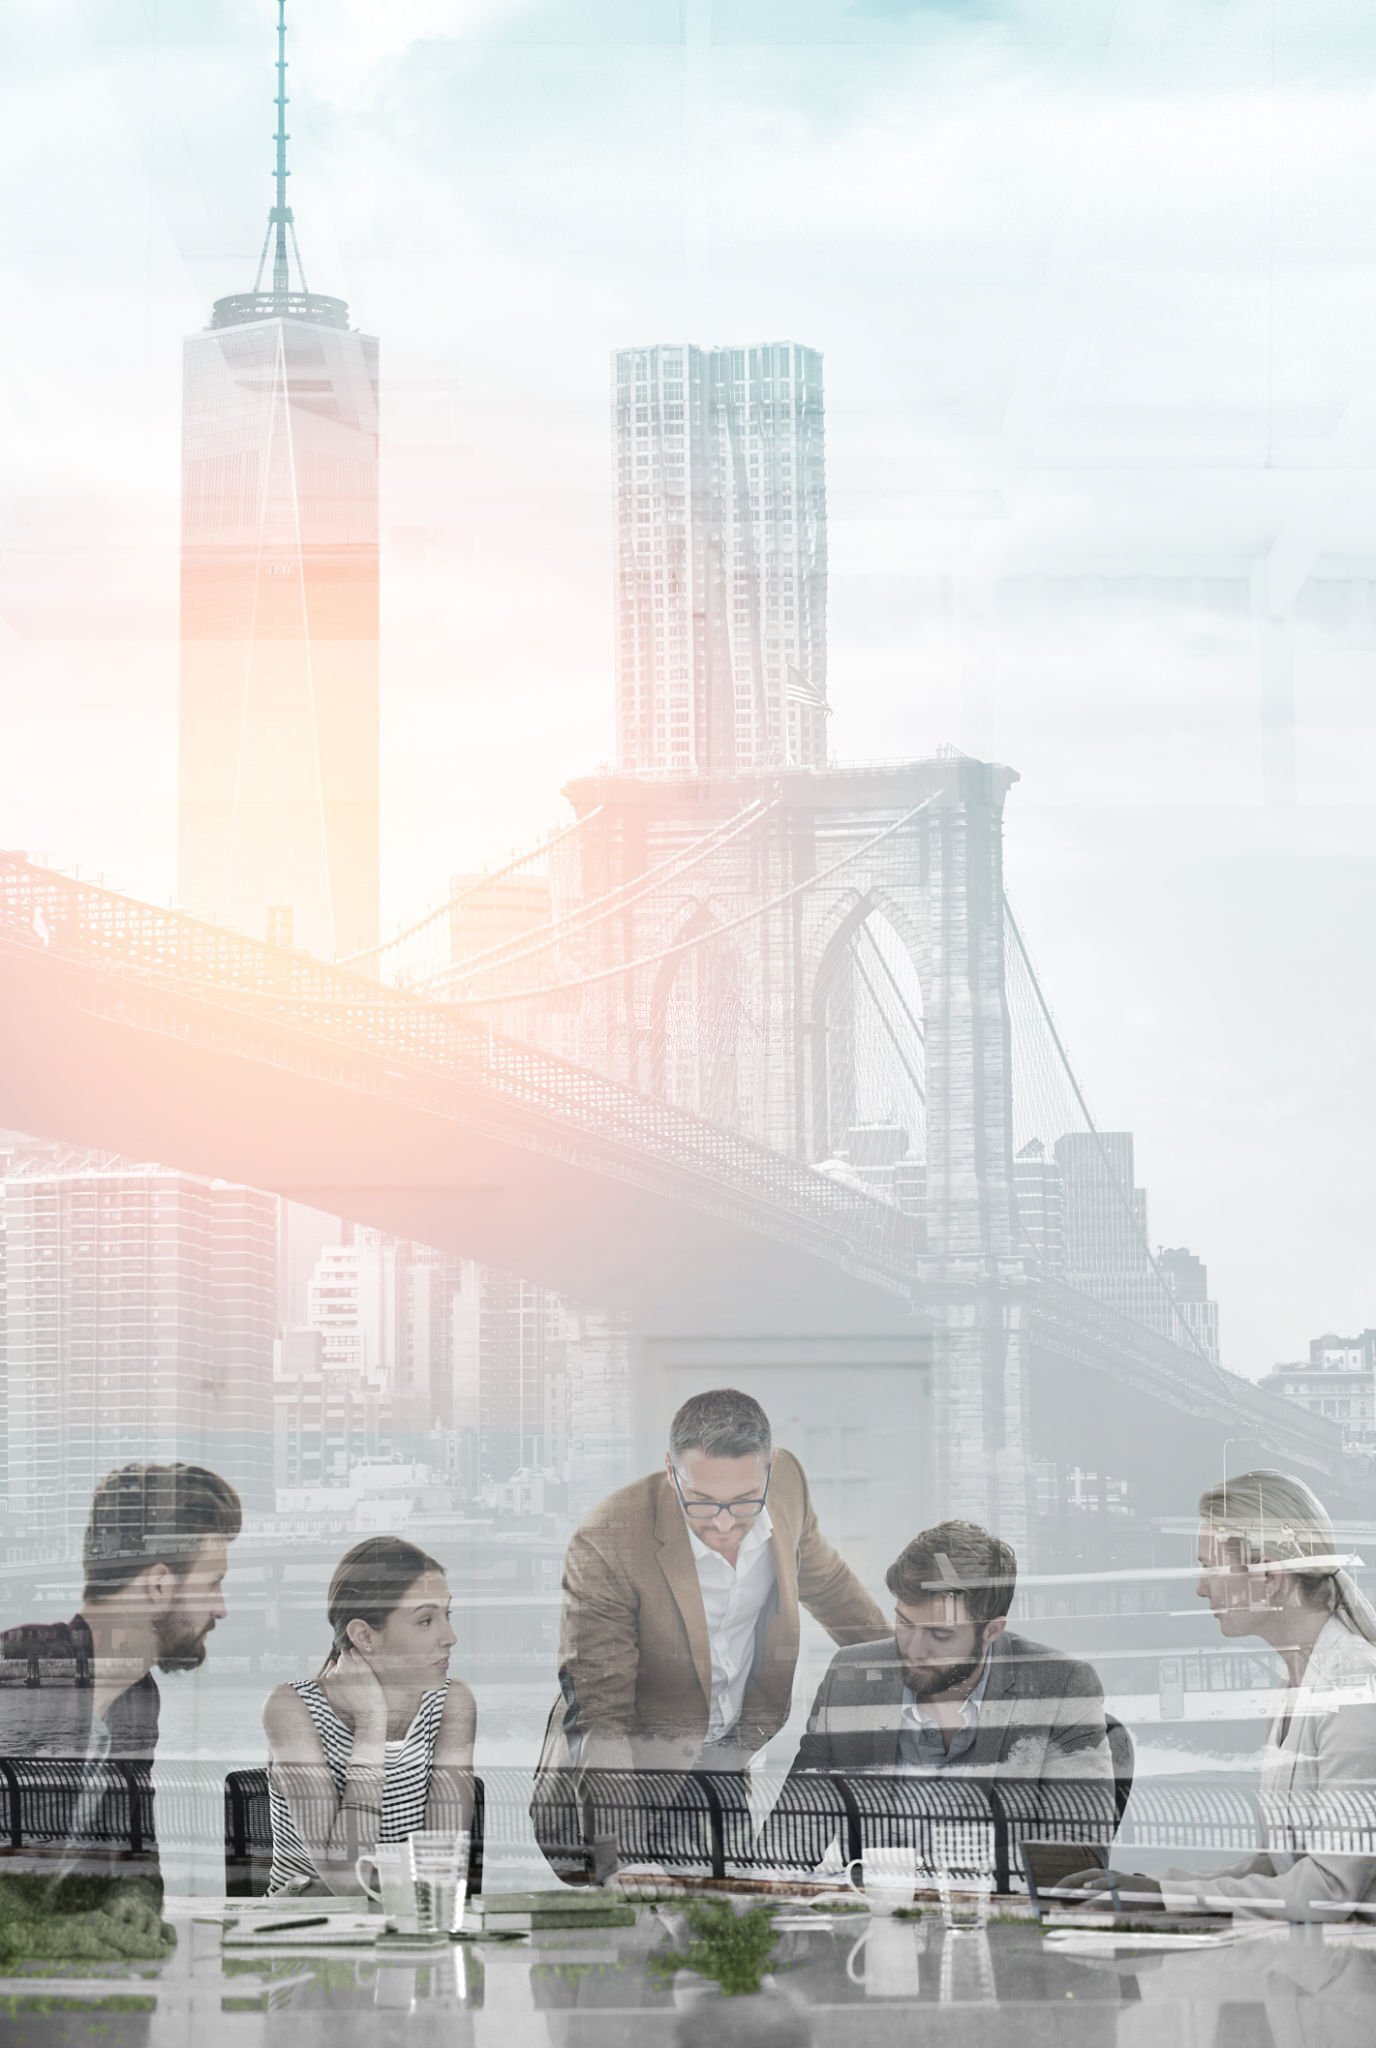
(380, 1742)
(1270, 1567)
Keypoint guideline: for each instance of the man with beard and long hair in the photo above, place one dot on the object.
(954, 1690)
(81, 1696)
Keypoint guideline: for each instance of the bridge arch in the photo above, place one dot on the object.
(866, 1009)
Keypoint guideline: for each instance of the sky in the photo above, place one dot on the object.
(1095, 288)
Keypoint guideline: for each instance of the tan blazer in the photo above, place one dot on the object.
(635, 1667)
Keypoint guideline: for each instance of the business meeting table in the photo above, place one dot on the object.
(847, 1979)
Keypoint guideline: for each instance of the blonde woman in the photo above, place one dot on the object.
(1269, 1567)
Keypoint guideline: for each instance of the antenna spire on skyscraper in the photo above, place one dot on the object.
(281, 219)
(285, 300)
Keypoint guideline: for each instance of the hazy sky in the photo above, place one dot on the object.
(1096, 292)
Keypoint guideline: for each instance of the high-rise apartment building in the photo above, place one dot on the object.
(325, 1422)
(278, 763)
(1107, 1254)
(140, 1307)
(510, 1360)
(721, 558)
(385, 1311)
(1188, 1279)
(1040, 1194)
(1081, 1219)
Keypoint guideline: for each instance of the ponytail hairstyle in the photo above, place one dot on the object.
(1278, 1524)
(370, 1582)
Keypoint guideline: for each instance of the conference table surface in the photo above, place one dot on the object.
(849, 1979)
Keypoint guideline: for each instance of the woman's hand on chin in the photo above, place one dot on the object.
(352, 1689)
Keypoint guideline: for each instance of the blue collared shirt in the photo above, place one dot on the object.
(920, 1746)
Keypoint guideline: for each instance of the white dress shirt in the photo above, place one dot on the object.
(920, 1746)
(733, 1598)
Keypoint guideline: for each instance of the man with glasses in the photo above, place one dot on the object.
(679, 1631)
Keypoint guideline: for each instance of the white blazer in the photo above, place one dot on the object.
(1318, 1797)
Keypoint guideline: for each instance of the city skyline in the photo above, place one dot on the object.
(686, 837)
(1176, 901)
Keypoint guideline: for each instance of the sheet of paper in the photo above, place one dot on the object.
(1116, 1941)
(342, 1930)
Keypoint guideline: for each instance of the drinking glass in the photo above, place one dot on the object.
(439, 1870)
(967, 1970)
(392, 1886)
(965, 1896)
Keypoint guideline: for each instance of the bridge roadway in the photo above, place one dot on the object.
(135, 1030)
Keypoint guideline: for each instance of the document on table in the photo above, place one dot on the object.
(1107, 1941)
(339, 1930)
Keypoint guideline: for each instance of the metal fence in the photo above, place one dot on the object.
(704, 1823)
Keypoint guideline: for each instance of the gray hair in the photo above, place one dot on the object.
(723, 1424)
(1275, 1520)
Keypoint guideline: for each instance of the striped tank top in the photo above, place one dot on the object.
(405, 1782)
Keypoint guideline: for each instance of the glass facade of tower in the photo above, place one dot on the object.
(278, 770)
(140, 1312)
(721, 561)
(1107, 1254)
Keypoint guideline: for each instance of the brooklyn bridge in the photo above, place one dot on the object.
(633, 1066)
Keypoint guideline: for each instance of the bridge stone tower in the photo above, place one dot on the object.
(741, 901)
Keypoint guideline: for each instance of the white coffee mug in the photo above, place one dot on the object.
(392, 1886)
(886, 1959)
(888, 1877)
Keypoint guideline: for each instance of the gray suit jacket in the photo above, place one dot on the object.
(1041, 1719)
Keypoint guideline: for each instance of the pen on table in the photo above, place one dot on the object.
(288, 1926)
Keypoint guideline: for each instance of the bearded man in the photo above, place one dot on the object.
(953, 1689)
(82, 1692)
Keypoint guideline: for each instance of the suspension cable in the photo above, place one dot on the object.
(889, 1032)
(1177, 1313)
(475, 888)
(760, 910)
(525, 945)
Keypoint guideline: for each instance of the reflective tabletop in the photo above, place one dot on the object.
(850, 1980)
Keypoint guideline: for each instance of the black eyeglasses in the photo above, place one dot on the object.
(708, 1510)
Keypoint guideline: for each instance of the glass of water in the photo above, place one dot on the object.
(439, 1871)
(965, 1896)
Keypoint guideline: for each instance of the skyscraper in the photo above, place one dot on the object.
(1040, 1196)
(721, 560)
(1105, 1228)
(385, 1311)
(278, 768)
(1188, 1279)
(509, 1363)
(140, 1309)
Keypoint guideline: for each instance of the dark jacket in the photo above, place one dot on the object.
(45, 1696)
(79, 1818)
(1041, 1718)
